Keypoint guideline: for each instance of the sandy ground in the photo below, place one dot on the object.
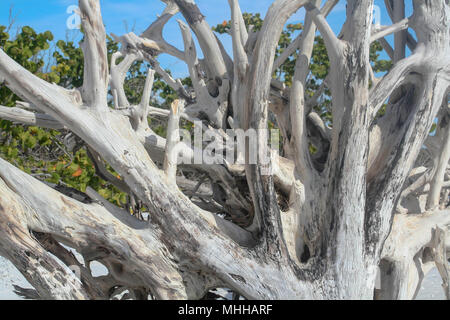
(431, 288)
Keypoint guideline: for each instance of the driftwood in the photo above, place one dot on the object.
(295, 227)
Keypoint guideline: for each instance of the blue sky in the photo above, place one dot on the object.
(43, 15)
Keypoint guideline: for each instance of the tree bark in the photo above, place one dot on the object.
(295, 228)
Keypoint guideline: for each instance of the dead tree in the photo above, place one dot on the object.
(308, 230)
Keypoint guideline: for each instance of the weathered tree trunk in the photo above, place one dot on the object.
(340, 223)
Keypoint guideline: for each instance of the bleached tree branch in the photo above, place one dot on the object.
(214, 108)
(173, 139)
(139, 113)
(399, 26)
(334, 46)
(387, 47)
(318, 233)
(118, 75)
(207, 41)
(238, 33)
(296, 43)
(392, 80)
(418, 230)
(95, 82)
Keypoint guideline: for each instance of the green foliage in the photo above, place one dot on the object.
(250, 19)
(18, 142)
(286, 71)
(377, 64)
